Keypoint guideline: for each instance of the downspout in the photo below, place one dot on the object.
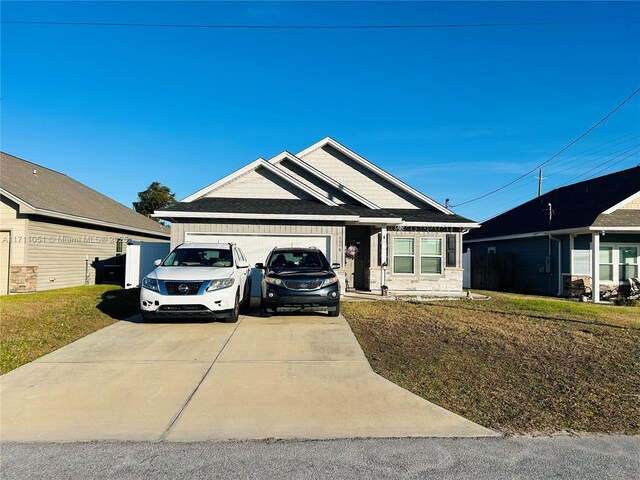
(552, 238)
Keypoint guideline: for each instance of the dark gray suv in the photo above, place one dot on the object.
(299, 279)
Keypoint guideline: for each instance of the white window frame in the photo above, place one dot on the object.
(431, 256)
(615, 246)
(412, 256)
(618, 263)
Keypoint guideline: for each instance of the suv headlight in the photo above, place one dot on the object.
(220, 284)
(329, 281)
(273, 281)
(150, 284)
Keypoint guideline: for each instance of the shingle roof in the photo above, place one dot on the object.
(416, 215)
(266, 206)
(307, 207)
(55, 192)
(574, 206)
(619, 218)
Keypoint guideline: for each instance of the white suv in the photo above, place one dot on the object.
(197, 280)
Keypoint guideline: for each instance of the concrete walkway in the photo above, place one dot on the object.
(280, 377)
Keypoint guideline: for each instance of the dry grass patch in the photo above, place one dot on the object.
(513, 363)
(33, 325)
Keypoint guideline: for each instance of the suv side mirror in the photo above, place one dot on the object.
(335, 266)
(260, 266)
(157, 262)
(242, 264)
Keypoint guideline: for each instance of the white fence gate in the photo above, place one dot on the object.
(139, 260)
(466, 265)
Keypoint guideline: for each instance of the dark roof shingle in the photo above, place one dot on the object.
(574, 206)
(56, 192)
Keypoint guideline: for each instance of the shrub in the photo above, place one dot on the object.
(625, 302)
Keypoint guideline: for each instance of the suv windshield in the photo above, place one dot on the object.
(199, 257)
(299, 259)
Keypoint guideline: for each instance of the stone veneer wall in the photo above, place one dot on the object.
(449, 281)
(23, 278)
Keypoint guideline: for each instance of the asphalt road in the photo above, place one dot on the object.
(488, 458)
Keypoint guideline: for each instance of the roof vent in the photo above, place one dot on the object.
(35, 174)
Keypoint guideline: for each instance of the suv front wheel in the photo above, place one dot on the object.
(235, 313)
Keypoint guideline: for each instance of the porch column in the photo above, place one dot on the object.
(383, 255)
(595, 267)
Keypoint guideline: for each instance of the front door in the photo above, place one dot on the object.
(357, 264)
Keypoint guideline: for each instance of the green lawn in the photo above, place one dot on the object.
(32, 325)
(518, 364)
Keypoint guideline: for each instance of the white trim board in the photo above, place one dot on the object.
(318, 174)
(374, 168)
(25, 208)
(260, 216)
(574, 231)
(260, 162)
(622, 203)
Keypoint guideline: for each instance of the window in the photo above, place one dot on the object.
(403, 255)
(199, 257)
(628, 266)
(431, 255)
(606, 264)
(582, 262)
(119, 244)
(452, 253)
(618, 262)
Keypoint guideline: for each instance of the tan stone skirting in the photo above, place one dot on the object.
(22, 278)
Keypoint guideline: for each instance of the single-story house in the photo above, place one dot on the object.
(584, 234)
(56, 232)
(381, 230)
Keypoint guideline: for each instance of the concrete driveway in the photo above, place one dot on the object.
(302, 376)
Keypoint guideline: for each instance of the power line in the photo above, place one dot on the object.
(604, 163)
(555, 171)
(562, 150)
(321, 27)
(595, 149)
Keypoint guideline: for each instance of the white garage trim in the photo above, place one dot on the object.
(324, 242)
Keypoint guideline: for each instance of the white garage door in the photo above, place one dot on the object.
(257, 247)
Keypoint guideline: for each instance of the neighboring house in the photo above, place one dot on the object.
(56, 232)
(379, 228)
(586, 233)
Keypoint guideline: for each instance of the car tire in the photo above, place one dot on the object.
(235, 313)
(335, 312)
(263, 310)
(246, 302)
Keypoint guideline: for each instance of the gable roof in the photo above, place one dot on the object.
(321, 176)
(289, 209)
(54, 194)
(328, 141)
(256, 164)
(580, 205)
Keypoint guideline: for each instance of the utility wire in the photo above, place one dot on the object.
(550, 173)
(604, 163)
(322, 27)
(562, 150)
(593, 150)
(571, 165)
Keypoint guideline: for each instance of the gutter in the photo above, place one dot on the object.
(559, 242)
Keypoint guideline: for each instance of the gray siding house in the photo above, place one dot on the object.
(56, 232)
(583, 235)
(379, 228)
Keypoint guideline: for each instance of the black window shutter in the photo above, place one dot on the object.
(451, 251)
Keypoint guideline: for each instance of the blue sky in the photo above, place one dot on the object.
(453, 112)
